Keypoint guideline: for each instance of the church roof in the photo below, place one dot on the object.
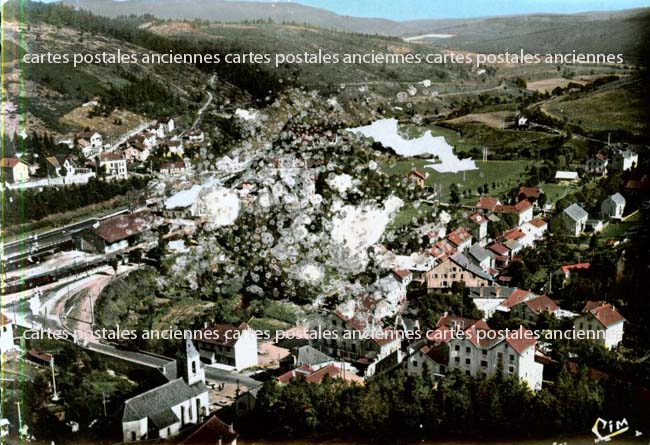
(156, 403)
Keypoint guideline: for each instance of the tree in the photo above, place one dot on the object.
(454, 196)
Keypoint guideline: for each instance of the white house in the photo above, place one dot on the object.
(478, 226)
(476, 349)
(229, 346)
(14, 170)
(90, 142)
(625, 160)
(535, 228)
(166, 123)
(460, 238)
(480, 256)
(115, 165)
(597, 164)
(195, 136)
(6, 334)
(603, 321)
(163, 412)
(176, 147)
(613, 206)
(173, 168)
(575, 218)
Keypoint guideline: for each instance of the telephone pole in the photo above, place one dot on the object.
(55, 396)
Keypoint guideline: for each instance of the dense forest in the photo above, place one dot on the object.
(34, 205)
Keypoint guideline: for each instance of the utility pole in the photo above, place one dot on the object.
(20, 419)
(55, 396)
(104, 402)
(92, 312)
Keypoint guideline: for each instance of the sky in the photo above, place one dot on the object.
(419, 9)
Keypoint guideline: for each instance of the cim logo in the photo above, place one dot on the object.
(606, 430)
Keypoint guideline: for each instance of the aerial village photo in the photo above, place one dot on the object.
(272, 222)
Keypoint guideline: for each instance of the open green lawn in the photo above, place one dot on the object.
(503, 174)
(555, 192)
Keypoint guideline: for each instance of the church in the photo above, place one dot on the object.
(168, 410)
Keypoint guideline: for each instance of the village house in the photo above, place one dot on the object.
(175, 147)
(566, 177)
(195, 136)
(501, 254)
(14, 170)
(516, 297)
(6, 334)
(536, 228)
(359, 338)
(138, 148)
(418, 177)
(212, 431)
(531, 309)
(604, 322)
(114, 165)
(486, 204)
(162, 412)
(523, 210)
(569, 270)
(229, 346)
(460, 238)
(89, 142)
(116, 234)
(625, 160)
(482, 257)
(172, 168)
(456, 268)
(474, 348)
(164, 124)
(532, 194)
(574, 218)
(478, 226)
(488, 299)
(432, 357)
(316, 376)
(613, 206)
(597, 164)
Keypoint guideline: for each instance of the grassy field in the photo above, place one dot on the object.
(503, 174)
(555, 192)
(608, 108)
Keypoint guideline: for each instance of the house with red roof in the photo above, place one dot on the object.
(569, 270)
(14, 170)
(460, 238)
(523, 210)
(6, 334)
(530, 309)
(316, 376)
(117, 233)
(486, 205)
(601, 322)
(418, 177)
(532, 194)
(228, 346)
